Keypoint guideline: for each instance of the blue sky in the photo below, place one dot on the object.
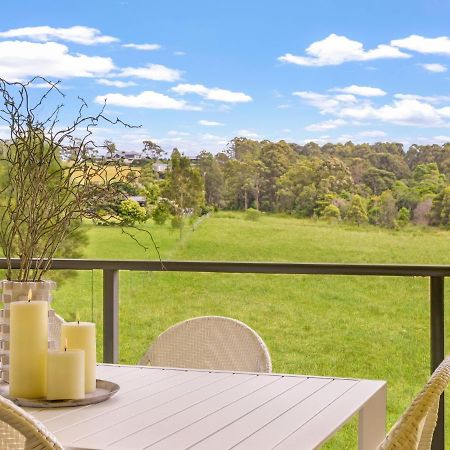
(195, 74)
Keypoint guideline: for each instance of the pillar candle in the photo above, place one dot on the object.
(81, 335)
(65, 374)
(28, 349)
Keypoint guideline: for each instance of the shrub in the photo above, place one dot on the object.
(404, 215)
(130, 212)
(331, 213)
(252, 214)
(161, 212)
(356, 212)
(177, 222)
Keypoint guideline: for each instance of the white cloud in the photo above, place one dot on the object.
(156, 72)
(326, 103)
(146, 99)
(435, 67)
(364, 91)
(217, 94)
(77, 34)
(335, 50)
(420, 44)
(434, 99)
(20, 60)
(326, 125)
(178, 53)
(404, 110)
(115, 83)
(248, 134)
(210, 123)
(145, 47)
(372, 134)
(401, 112)
(441, 139)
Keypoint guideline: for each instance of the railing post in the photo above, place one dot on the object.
(110, 316)
(437, 349)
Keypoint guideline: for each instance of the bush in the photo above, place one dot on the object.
(177, 222)
(161, 212)
(331, 213)
(252, 214)
(356, 212)
(404, 216)
(130, 212)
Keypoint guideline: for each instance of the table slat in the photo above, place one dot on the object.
(239, 430)
(311, 434)
(284, 425)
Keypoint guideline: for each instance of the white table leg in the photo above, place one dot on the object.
(372, 421)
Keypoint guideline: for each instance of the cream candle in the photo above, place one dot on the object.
(81, 335)
(28, 349)
(65, 374)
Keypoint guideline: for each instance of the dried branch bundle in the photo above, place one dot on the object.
(52, 176)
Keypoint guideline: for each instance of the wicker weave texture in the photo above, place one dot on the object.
(210, 342)
(414, 430)
(20, 431)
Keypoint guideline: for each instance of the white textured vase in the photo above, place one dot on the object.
(14, 291)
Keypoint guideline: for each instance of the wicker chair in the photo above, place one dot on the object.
(20, 431)
(414, 430)
(211, 342)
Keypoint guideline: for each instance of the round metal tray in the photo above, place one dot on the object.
(105, 389)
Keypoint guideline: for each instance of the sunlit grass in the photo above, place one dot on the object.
(370, 327)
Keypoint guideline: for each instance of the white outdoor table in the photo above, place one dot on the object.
(162, 408)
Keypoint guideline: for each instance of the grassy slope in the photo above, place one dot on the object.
(344, 326)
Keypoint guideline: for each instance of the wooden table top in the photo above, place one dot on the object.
(162, 408)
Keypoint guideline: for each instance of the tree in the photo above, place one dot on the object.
(44, 196)
(184, 185)
(152, 150)
(276, 159)
(440, 211)
(162, 211)
(356, 212)
(388, 210)
(378, 180)
(110, 148)
(214, 180)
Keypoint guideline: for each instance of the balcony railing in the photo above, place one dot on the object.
(435, 273)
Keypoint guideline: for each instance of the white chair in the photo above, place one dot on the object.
(210, 342)
(20, 431)
(414, 430)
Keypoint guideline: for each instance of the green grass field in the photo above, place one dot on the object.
(370, 327)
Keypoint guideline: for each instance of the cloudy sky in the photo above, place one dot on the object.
(194, 74)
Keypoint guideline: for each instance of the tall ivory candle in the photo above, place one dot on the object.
(28, 349)
(65, 374)
(81, 335)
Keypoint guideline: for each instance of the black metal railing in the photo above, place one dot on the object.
(110, 268)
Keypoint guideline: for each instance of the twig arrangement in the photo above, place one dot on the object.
(51, 177)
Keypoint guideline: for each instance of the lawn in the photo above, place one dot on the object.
(370, 327)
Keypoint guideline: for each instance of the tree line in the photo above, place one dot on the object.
(376, 183)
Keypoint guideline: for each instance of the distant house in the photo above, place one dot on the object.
(139, 199)
(160, 167)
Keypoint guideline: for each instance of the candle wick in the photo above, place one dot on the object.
(65, 349)
(78, 322)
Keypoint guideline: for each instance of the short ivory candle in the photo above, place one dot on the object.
(81, 336)
(65, 374)
(28, 349)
